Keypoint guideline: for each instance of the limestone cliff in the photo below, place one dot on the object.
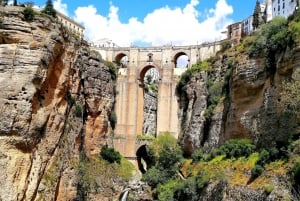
(55, 103)
(251, 108)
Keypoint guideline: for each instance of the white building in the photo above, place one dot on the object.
(268, 10)
(247, 25)
(284, 8)
(104, 42)
(70, 24)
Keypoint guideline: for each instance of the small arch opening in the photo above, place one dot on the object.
(122, 60)
(181, 60)
(144, 158)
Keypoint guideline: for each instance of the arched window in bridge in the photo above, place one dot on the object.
(181, 60)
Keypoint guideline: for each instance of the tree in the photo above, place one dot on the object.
(15, 3)
(3, 2)
(49, 9)
(256, 15)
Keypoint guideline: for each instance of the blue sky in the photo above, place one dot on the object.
(155, 22)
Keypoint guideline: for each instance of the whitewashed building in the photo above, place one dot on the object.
(284, 8)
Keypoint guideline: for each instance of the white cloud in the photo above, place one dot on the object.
(61, 7)
(179, 26)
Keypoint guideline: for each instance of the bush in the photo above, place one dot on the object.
(78, 111)
(264, 157)
(110, 155)
(113, 119)
(272, 38)
(29, 14)
(187, 75)
(225, 45)
(236, 148)
(256, 171)
(296, 173)
(112, 69)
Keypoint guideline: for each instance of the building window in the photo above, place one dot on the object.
(283, 5)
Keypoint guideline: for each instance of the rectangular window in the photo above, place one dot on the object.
(283, 5)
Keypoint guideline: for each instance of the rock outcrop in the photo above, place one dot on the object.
(55, 103)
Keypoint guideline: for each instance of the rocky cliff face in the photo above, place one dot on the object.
(150, 113)
(55, 101)
(251, 109)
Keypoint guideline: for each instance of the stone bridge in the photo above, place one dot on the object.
(133, 63)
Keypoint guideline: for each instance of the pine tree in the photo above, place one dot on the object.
(256, 15)
(49, 9)
(15, 3)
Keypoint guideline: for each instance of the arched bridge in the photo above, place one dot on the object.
(133, 62)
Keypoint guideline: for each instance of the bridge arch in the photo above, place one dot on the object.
(181, 59)
(121, 60)
(144, 70)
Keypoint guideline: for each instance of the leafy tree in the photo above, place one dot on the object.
(49, 9)
(256, 15)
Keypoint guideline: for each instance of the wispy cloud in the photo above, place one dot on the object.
(165, 25)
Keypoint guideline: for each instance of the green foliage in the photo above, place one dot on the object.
(3, 2)
(28, 14)
(296, 173)
(189, 73)
(145, 137)
(112, 69)
(264, 157)
(256, 171)
(113, 120)
(268, 189)
(272, 38)
(49, 9)
(110, 154)
(155, 176)
(236, 148)
(95, 173)
(70, 99)
(175, 190)
(225, 45)
(167, 156)
(78, 111)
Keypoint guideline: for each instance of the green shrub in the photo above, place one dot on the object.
(28, 14)
(112, 69)
(236, 148)
(225, 45)
(110, 155)
(256, 171)
(264, 157)
(187, 75)
(272, 38)
(113, 119)
(296, 173)
(78, 111)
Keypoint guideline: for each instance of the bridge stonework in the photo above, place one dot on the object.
(129, 87)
